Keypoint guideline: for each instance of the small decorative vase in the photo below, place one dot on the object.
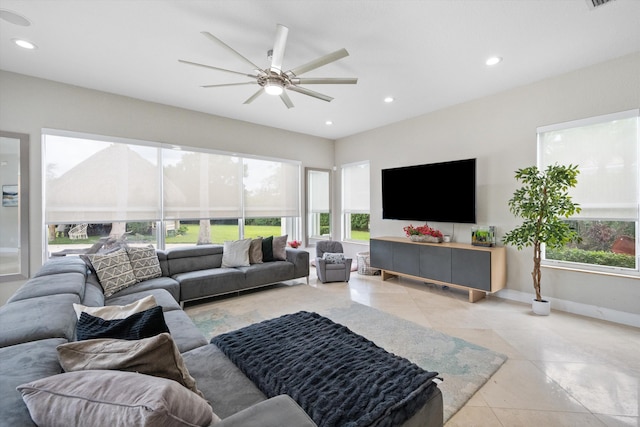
(541, 308)
(423, 238)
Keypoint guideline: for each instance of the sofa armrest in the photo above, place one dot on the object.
(300, 260)
(278, 411)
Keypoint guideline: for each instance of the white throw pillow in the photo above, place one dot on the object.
(113, 312)
(114, 271)
(236, 253)
(333, 258)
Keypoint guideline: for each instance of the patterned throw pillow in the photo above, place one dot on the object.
(144, 262)
(332, 258)
(114, 271)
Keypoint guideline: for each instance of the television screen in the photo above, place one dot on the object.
(439, 192)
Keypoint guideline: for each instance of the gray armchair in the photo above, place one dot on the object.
(331, 271)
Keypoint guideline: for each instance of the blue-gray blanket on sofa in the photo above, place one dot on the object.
(337, 376)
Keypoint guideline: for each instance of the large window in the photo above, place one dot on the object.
(606, 150)
(318, 204)
(355, 202)
(99, 187)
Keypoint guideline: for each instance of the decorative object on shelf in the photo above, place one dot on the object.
(542, 202)
(483, 235)
(295, 244)
(423, 234)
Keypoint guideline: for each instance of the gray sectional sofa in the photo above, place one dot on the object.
(40, 316)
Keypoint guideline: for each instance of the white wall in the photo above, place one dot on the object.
(500, 131)
(29, 104)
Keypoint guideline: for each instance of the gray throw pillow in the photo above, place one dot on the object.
(157, 356)
(236, 253)
(280, 248)
(255, 251)
(122, 398)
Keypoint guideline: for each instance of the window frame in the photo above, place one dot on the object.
(542, 161)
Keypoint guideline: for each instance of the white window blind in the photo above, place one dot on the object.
(271, 189)
(355, 188)
(318, 191)
(95, 181)
(606, 150)
(198, 185)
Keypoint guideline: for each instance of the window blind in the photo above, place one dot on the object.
(355, 188)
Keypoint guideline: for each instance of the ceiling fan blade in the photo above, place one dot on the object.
(310, 93)
(285, 98)
(223, 44)
(216, 68)
(323, 81)
(280, 43)
(230, 84)
(317, 63)
(254, 96)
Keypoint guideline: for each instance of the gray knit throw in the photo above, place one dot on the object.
(337, 376)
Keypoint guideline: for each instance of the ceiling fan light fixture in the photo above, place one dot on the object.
(273, 87)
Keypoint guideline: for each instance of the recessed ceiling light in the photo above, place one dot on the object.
(24, 44)
(494, 60)
(388, 99)
(14, 18)
(328, 123)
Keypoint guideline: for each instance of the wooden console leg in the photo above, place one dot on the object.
(385, 275)
(475, 295)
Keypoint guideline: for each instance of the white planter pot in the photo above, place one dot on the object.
(541, 308)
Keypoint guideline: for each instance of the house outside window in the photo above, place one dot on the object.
(355, 202)
(606, 150)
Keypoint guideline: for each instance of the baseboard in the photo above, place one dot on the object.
(587, 310)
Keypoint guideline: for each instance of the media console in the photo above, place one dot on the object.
(478, 269)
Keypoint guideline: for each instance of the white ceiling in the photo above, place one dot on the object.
(427, 54)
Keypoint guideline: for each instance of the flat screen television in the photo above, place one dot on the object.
(439, 192)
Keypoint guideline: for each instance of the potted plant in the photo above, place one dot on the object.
(542, 202)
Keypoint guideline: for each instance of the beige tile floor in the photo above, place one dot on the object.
(563, 370)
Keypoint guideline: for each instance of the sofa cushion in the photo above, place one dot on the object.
(221, 381)
(144, 262)
(255, 251)
(114, 271)
(205, 283)
(157, 356)
(184, 332)
(59, 265)
(267, 273)
(38, 318)
(236, 253)
(167, 283)
(111, 312)
(139, 325)
(22, 363)
(280, 248)
(60, 283)
(163, 298)
(192, 258)
(123, 398)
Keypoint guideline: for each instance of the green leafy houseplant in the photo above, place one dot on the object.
(542, 202)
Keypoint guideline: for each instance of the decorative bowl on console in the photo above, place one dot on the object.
(422, 238)
(423, 234)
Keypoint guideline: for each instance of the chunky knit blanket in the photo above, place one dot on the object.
(337, 376)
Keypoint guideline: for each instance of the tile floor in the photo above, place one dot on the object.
(563, 370)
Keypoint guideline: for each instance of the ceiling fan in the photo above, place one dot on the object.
(273, 80)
